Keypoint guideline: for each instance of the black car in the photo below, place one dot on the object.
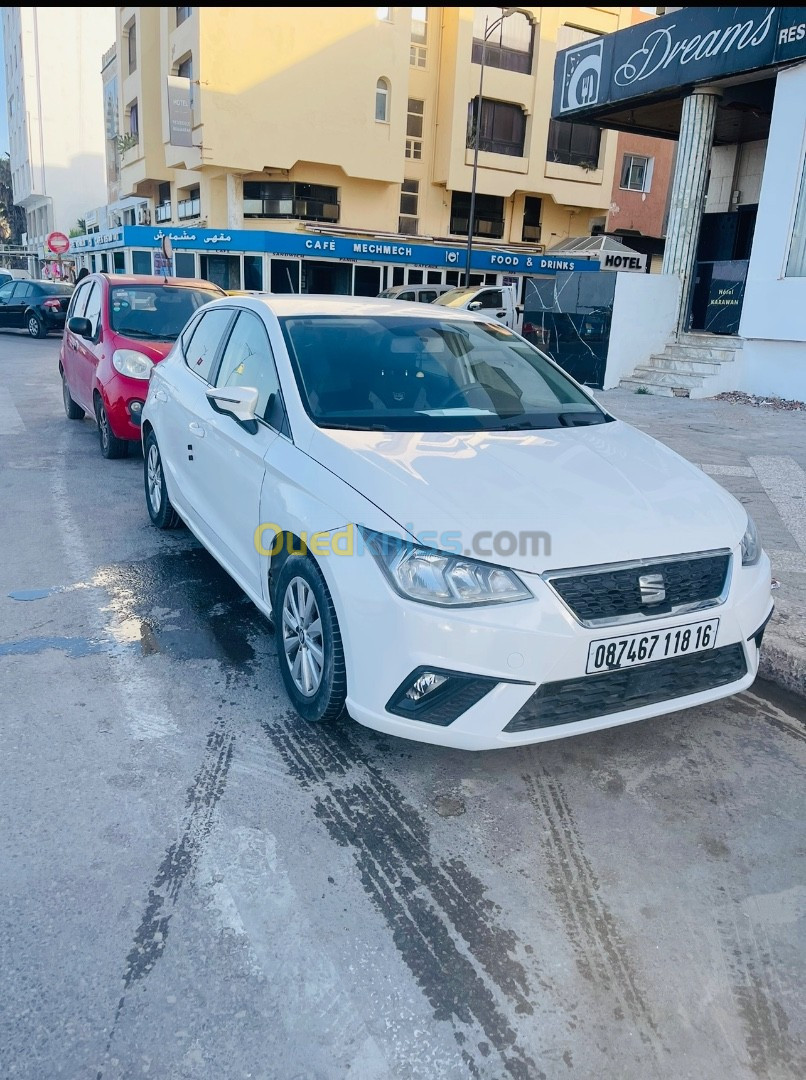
(35, 306)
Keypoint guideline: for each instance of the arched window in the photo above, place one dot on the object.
(382, 101)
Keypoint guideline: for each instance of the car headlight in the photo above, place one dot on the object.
(751, 545)
(437, 577)
(132, 363)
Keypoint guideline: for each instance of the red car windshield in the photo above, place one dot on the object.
(154, 312)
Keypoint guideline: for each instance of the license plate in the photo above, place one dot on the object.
(610, 654)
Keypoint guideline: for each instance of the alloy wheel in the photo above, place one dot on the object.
(103, 426)
(303, 641)
(154, 475)
(33, 326)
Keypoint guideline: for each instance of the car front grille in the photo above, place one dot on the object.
(602, 596)
(572, 700)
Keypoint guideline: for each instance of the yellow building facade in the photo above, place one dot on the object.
(359, 122)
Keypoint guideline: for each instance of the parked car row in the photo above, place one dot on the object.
(456, 543)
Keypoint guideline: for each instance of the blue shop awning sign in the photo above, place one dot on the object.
(314, 246)
(664, 56)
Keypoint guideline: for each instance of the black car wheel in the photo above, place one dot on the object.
(74, 412)
(159, 506)
(309, 646)
(111, 445)
(36, 328)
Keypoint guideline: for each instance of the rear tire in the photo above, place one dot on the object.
(111, 445)
(160, 510)
(36, 328)
(309, 646)
(74, 412)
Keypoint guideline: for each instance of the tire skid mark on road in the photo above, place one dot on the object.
(749, 968)
(178, 864)
(599, 949)
(442, 924)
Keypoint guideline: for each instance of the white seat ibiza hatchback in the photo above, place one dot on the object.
(454, 541)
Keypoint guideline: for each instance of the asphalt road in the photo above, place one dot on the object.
(196, 885)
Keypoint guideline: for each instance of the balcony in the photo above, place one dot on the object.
(162, 212)
(188, 208)
(309, 209)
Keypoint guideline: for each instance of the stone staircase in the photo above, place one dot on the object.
(696, 366)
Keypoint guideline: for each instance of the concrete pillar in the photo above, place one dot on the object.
(234, 201)
(688, 190)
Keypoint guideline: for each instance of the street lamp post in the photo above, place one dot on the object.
(488, 29)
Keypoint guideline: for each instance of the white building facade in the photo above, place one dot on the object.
(55, 113)
(729, 84)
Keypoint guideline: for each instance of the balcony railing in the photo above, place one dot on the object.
(162, 212)
(310, 209)
(484, 227)
(188, 208)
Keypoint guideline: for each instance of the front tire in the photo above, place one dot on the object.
(74, 412)
(111, 445)
(160, 510)
(309, 647)
(36, 328)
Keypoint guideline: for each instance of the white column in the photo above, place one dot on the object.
(234, 201)
(688, 189)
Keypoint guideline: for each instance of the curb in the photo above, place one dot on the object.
(783, 662)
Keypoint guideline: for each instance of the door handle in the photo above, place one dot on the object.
(197, 429)
(500, 314)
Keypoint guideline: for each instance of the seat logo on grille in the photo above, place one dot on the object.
(653, 590)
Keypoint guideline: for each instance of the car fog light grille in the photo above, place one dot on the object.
(436, 696)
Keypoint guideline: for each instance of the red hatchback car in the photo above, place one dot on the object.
(117, 328)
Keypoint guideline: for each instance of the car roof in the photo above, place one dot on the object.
(289, 304)
(153, 279)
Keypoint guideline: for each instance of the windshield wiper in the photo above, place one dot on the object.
(147, 334)
(353, 427)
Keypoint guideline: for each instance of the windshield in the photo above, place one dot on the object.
(457, 297)
(155, 312)
(398, 373)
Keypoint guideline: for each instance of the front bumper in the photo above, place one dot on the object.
(119, 393)
(523, 647)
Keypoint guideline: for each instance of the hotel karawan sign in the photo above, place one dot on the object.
(684, 48)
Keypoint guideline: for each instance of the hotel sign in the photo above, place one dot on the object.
(689, 46)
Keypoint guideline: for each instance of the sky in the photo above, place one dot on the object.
(3, 100)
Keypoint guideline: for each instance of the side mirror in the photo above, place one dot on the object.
(239, 402)
(474, 305)
(80, 326)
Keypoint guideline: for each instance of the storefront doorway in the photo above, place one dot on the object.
(327, 277)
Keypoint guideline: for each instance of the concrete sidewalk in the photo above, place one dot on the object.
(759, 455)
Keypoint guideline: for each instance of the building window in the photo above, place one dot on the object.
(183, 13)
(419, 37)
(414, 129)
(162, 211)
(134, 121)
(488, 218)
(189, 207)
(574, 144)
(409, 198)
(184, 70)
(503, 127)
(636, 173)
(796, 263)
(382, 101)
(532, 207)
(131, 39)
(311, 202)
(509, 46)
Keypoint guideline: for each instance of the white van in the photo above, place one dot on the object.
(497, 301)
(420, 294)
(7, 274)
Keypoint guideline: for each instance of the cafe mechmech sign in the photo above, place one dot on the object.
(658, 57)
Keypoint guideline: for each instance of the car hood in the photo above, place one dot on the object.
(154, 350)
(604, 493)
